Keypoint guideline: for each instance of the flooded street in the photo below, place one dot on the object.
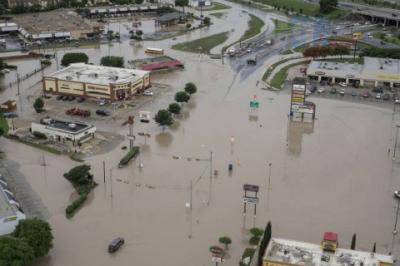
(333, 175)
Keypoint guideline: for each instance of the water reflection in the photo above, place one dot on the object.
(296, 129)
(164, 139)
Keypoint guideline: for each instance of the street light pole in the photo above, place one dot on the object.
(269, 176)
(111, 182)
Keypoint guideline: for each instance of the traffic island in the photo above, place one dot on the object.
(129, 156)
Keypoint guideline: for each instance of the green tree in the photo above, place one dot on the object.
(38, 105)
(112, 61)
(206, 21)
(257, 232)
(164, 118)
(182, 3)
(70, 58)
(225, 240)
(190, 88)
(182, 96)
(37, 234)
(15, 252)
(1, 131)
(79, 174)
(326, 6)
(138, 2)
(174, 108)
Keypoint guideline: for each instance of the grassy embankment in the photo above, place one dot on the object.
(219, 6)
(3, 124)
(282, 26)
(387, 38)
(202, 45)
(281, 76)
(217, 14)
(254, 27)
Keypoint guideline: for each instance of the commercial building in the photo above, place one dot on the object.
(99, 82)
(8, 27)
(10, 210)
(56, 24)
(283, 252)
(374, 72)
(122, 10)
(74, 133)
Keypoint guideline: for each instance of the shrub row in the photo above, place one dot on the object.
(75, 205)
(129, 156)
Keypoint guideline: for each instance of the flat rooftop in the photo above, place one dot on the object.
(60, 20)
(302, 253)
(374, 68)
(335, 69)
(100, 75)
(69, 127)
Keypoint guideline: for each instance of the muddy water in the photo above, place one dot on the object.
(332, 176)
(340, 180)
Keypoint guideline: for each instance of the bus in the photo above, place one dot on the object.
(154, 51)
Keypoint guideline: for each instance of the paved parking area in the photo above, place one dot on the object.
(350, 93)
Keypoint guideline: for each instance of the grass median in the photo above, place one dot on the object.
(281, 76)
(219, 6)
(3, 124)
(282, 26)
(297, 6)
(254, 27)
(202, 45)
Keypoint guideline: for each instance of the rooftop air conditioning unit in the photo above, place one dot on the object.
(72, 126)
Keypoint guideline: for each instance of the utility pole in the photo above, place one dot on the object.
(355, 49)
(104, 172)
(18, 84)
(191, 194)
(395, 142)
(397, 217)
(211, 164)
(111, 182)
(269, 176)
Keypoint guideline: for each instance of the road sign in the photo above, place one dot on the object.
(254, 104)
(249, 187)
(217, 251)
(131, 137)
(217, 259)
(252, 200)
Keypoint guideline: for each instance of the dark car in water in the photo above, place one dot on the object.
(386, 97)
(353, 93)
(102, 112)
(80, 100)
(115, 244)
(333, 91)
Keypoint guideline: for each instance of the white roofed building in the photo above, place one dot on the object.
(100, 82)
(373, 72)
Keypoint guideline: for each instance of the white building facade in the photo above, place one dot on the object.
(75, 133)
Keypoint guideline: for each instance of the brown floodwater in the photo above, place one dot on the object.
(332, 175)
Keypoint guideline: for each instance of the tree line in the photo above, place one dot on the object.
(324, 51)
